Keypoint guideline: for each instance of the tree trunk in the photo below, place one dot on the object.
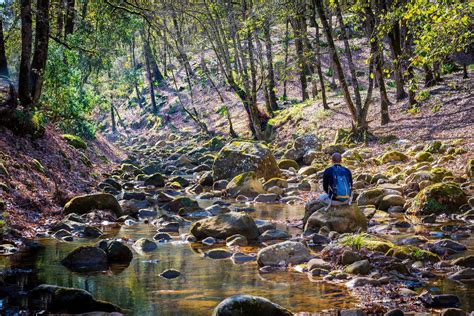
(70, 16)
(318, 60)
(60, 19)
(347, 48)
(3, 55)
(26, 46)
(112, 116)
(296, 25)
(429, 76)
(271, 73)
(134, 67)
(40, 55)
(285, 76)
(359, 117)
(155, 71)
(149, 77)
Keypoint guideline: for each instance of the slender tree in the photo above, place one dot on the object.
(3, 55)
(26, 47)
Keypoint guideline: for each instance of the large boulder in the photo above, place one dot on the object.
(303, 145)
(284, 253)
(238, 157)
(117, 252)
(7, 97)
(439, 198)
(246, 184)
(99, 201)
(247, 305)
(181, 202)
(342, 219)
(86, 259)
(225, 225)
(394, 156)
(156, 180)
(63, 300)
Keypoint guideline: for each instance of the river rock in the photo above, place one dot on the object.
(370, 197)
(86, 259)
(218, 254)
(453, 312)
(361, 281)
(391, 200)
(463, 275)
(180, 203)
(284, 253)
(145, 245)
(117, 252)
(439, 301)
(358, 267)
(439, 198)
(467, 261)
(342, 219)
(236, 240)
(239, 258)
(349, 257)
(266, 198)
(394, 156)
(62, 300)
(239, 157)
(170, 274)
(287, 164)
(445, 246)
(225, 225)
(99, 201)
(246, 184)
(156, 180)
(247, 305)
(274, 234)
(162, 237)
(317, 263)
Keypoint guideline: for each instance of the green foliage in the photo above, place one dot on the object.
(75, 141)
(422, 95)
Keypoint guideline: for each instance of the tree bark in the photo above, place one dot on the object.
(285, 75)
(296, 25)
(112, 116)
(317, 54)
(70, 16)
(149, 77)
(271, 73)
(40, 55)
(26, 46)
(60, 19)
(3, 56)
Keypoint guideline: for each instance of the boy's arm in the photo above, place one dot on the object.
(326, 180)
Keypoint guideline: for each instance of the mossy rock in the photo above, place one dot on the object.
(239, 157)
(75, 141)
(246, 184)
(287, 164)
(129, 168)
(440, 173)
(4, 171)
(343, 136)
(181, 202)
(215, 144)
(470, 169)
(435, 147)
(156, 180)
(439, 198)
(424, 156)
(342, 219)
(99, 201)
(370, 197)
(394, 156)
(367, 241)
(3, 206)
(38, 166)
(412, 252)
(249, 305)
(460, 151)
(335, 148)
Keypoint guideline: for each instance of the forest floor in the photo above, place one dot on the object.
(40, 176)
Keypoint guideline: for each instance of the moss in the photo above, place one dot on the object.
(364, 240)
(215, 143)
(240, 179)
(470, 168)
(423, 156)
(175, 184)
(85, 160)
(75, 141)
(387, 139)
(38, 166)
(439, 198)
(336, 148)
(412, 252)
(440, 173)
(460, 151)
(287, 164)
(434, 147)
(394, 156)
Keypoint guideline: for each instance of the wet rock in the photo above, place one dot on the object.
(220, 185)
(138, 196)
(59, 300)
(236, 240)
(467, 261)
(352, 312)
(361, 281)
(320, 239)
(274, 234)
(8, 249)
(145, 245)
(284, 253)
(91, 232)
(86, 259)
(266, 198)
(317, 263)
(156, 180)
(439, 301)
(342, 219)
(359, 267)
(415, 240)
(133, 206)
(181, 202)
(463, 275)
(246, 184)
(430, 219)
(206, 179)
(445, 246)
(247, 305)
(304, 186)
(453, 312)
(439, 198)
(99, 201)
(239, 157)
(218, 254)
(62, 233)
(209, 241)
(147, 213)
(117, 252)
(240, 258)
(169, 227)
(182, 181)
(394, 312)
(349, 257)
(264, 226)
(170, 274)
(275, 182)
(161, 237)
(225, 225)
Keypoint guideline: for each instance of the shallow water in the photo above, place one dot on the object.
(204, 282)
